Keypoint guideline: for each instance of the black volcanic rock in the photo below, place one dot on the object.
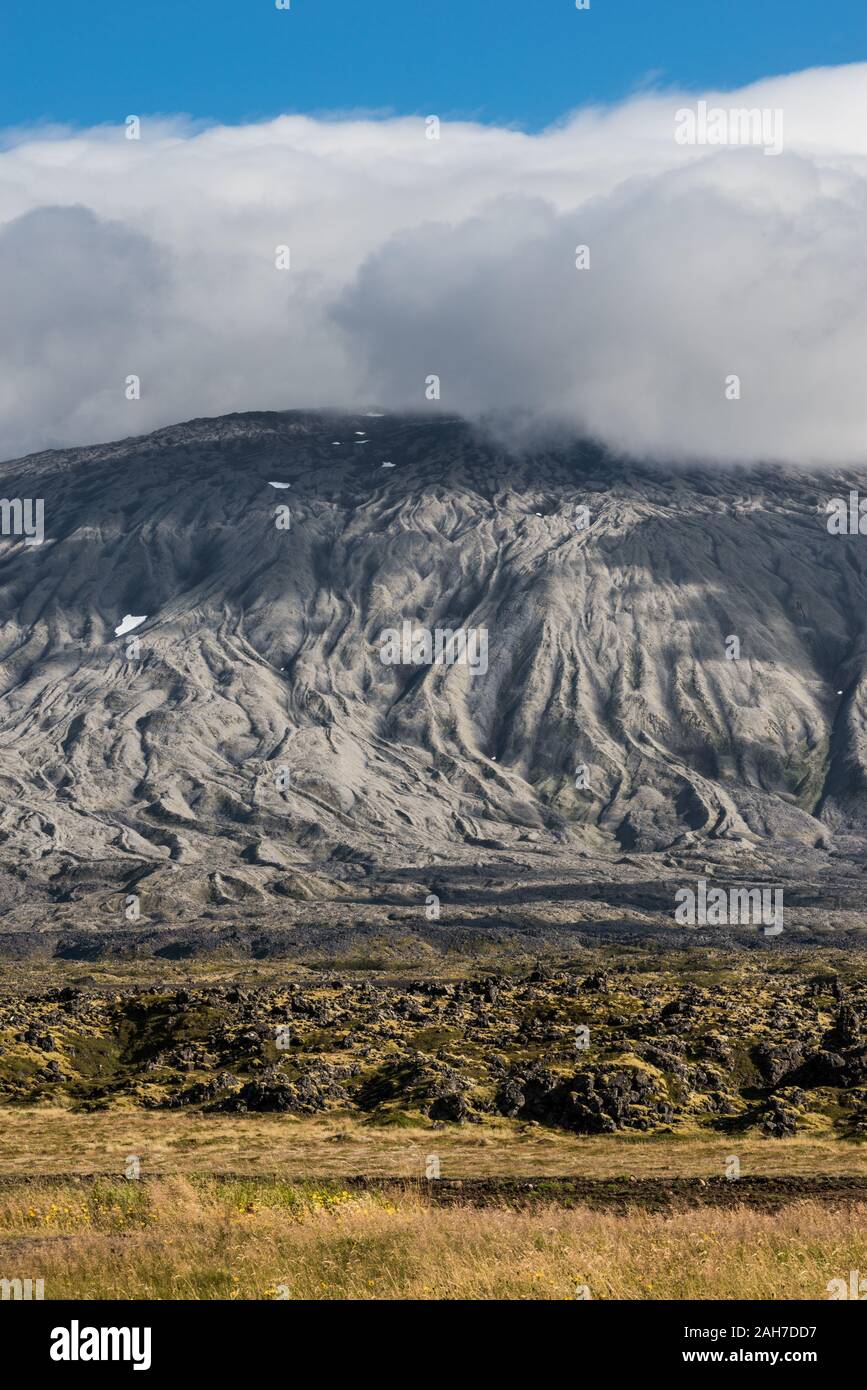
(777, 1060)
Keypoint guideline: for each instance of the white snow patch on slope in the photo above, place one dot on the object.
(129, 622)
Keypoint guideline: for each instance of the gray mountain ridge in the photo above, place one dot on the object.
(257, 755)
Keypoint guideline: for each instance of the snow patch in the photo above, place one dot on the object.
(128, 623)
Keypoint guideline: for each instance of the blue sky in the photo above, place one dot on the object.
(508, 61)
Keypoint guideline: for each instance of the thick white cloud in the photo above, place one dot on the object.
(456, 256)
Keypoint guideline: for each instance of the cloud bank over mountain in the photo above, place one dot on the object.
(411, 257)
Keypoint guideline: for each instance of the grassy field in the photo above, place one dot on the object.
(198, 1238)
(262, 1203)
(53, 1140)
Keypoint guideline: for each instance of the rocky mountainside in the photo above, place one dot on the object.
(675, 661)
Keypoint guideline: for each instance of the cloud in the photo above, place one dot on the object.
(456, 257)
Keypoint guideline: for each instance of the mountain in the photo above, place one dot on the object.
(246, 747)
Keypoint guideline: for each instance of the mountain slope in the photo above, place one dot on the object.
(255, 736)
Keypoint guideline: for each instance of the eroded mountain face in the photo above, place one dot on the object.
(672, 660)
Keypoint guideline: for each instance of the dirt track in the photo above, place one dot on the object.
(652, 1194)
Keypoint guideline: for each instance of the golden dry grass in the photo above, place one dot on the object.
(188, 1236)
(182, 1238)
(54, 1140)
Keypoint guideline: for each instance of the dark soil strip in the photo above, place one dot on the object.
(652, 1194)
